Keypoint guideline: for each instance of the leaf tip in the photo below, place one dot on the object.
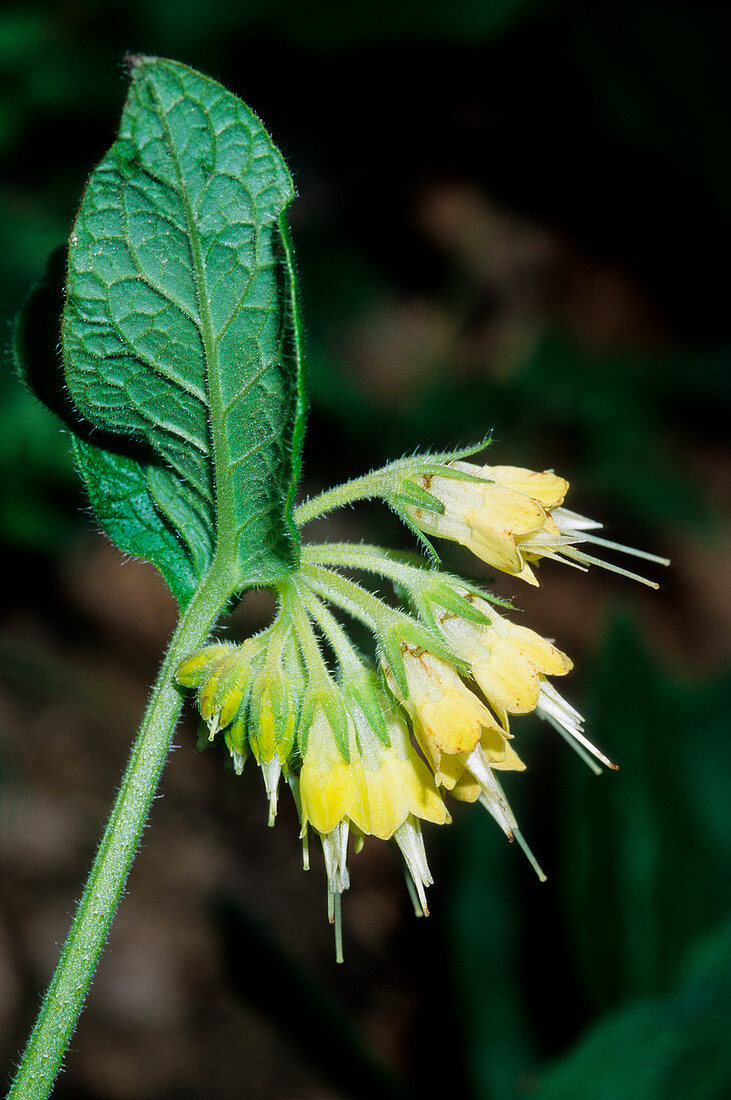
(133, 61)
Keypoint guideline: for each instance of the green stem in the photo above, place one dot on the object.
(360, 488)
(353, 599)
(342, 646)
(385, 483)
(371, 559)
(66, 993)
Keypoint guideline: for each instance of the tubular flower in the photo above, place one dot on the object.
(511, 663)
(448, 719)
(376, 786)
(273, 716)
(511, 517)
(364, 756)
(368, 786)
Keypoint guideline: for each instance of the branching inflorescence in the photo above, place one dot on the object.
(373, 747)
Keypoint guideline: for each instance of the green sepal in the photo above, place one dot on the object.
(232, 690)
(235, 735)
(450, 474)
(463, 452)
(208, 692)
(417, 496)
(364, 692)
(284, 713)
(193, 670)
(444, 595)
(428, 546)
(389, 651)
(332, 704)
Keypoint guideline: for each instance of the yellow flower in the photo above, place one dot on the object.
(509, 662)
(496, 511)
(511, 517)
(376, 789)
(449, 720)
(271, 728)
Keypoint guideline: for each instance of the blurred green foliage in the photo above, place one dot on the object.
(660, 1047)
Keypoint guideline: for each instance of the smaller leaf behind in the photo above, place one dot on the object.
(118, 470)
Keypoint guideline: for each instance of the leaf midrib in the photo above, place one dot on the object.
(225, 527)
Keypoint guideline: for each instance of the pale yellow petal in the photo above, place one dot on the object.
(449, 771)
(329, 794)
(494, 746)
(511, 763)
(509, 680)
(546, 657)
(547, 487)
(398, 789)
(466, 789)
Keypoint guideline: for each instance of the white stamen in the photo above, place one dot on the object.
(411, 842)
(529, 855)
(569, 521)
(555, 703)
(239, 759)
(574, 528)
(494, 800)
(271, 773)
(570, 740)
(564, 718)
(294, 786)
(335, 850)
(627, 550)
(580, 737)
(580, 556)
(492, 797)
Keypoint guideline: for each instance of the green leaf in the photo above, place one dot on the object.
(645, 850)
(180, 334)
(118, 471)
(119, 493)
(658, 1048)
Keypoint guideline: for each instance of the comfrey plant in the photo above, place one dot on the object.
(181, 386)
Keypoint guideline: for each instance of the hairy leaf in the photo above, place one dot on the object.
(180, 331)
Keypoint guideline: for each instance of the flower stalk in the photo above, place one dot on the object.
(65, 996)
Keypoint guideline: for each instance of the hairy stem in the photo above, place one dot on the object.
(360, 488)
(66, 993)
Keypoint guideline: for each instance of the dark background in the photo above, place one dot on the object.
(511, 215)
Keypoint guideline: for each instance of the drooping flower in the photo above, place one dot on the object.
(273, 714)
(363, 758)
(369, 786)
(222, 673)
(511, 664)
(512, 517)
(448, 719)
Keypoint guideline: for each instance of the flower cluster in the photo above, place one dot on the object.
(376, 747)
